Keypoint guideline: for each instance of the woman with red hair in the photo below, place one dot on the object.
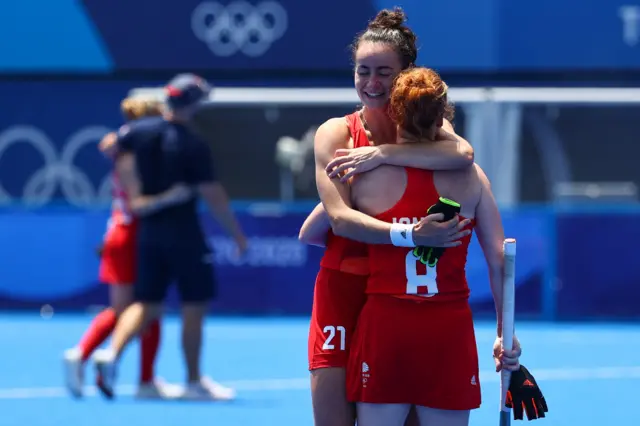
(414, 344)
(356, 143)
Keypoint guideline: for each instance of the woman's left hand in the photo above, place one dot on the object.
(507, 359)
(350, 162)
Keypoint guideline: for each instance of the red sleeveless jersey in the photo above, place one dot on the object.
(396, 271)
(340, 253)
(120, 211)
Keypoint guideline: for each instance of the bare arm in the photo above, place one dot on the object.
(217, 200)
(315, 227)
(142, 205)
(125, 168)
(450, 153)
(335, 195)
(491, 238)
(108, 145)
(349, 223)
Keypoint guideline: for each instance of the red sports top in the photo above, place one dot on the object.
(340, 253)
(396, 271)
(120, 211)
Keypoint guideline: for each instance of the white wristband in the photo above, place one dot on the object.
(401, 235)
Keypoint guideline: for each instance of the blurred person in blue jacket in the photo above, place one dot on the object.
(118, 269)
(159, 153)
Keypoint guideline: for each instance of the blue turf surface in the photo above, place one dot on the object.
(588, 373)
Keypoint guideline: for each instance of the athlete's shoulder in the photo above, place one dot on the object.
(335, 125)
(481, 176)
(150, 123)
(142, 126)
(473, 180)
(334, 131)
(485, 193)
(469, 175)
(332, 135)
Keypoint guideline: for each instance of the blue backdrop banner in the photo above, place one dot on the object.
(598, 271)
(49, 132)
(292, 35)
(197, 34)
(49, 258)
(562, 271)
(490, 35)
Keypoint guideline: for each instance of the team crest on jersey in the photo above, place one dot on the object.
(365, 374)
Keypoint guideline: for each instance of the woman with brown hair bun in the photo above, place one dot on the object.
(363, 141)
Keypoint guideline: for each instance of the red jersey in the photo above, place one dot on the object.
(396, 271)
(120, 211)
(342, 254)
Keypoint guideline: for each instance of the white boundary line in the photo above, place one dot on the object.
(267, 385)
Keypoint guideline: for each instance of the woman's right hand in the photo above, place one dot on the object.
(108, 146)
(430, 232)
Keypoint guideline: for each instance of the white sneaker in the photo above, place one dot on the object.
(74, 371)
(208, 390)
(159, 389)
(105, 364)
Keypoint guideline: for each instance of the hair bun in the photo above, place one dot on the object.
(389, 19)
(389, 27)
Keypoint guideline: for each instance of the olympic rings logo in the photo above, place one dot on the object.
(58, 170)
(239, 27)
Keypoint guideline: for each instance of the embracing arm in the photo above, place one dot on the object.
(451, 152)
(142, 205)
(349, 223)
(490, 235)
(108, 145)
(335, 195)
(315, 227)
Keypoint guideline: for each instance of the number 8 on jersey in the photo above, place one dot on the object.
(418, 284)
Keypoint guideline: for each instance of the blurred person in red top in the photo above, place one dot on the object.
(363, 141)
(118, 268)
(414, 345)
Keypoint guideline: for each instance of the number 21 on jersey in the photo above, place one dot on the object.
(329, 343)
(420, 284)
